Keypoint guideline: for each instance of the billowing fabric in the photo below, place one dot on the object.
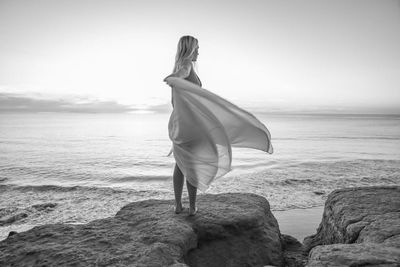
(203, 127)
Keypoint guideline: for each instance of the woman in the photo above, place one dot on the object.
(188, 50)
(203, 127)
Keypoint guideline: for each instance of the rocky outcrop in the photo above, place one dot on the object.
(345, 255)
(10, 216)
(12, 219)
(44, 206)
(229, 230)
(360, 226)
(292, 252)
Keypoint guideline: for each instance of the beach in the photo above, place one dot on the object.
(88, 166)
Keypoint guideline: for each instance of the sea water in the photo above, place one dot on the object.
(90, 165)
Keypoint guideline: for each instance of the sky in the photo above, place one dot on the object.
(271, 56)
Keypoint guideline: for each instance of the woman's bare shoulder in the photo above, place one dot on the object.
(187, 63)
(184, 69)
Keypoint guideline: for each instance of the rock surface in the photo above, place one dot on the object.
(368, 218)
(354, 255)
(13, 218)
(228, 230)
(44, 206)
(292, 252)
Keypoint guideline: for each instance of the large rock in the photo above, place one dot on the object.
(292, 252)
(338, 255)
(228, 230)
(368, 218)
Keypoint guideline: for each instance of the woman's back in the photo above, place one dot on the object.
(193, 77)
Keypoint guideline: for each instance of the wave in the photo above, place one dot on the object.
(338, 137)
(329, 161)
(154, 178)
(70, 188)
(56, 188)
(293, 181)
(359, 137)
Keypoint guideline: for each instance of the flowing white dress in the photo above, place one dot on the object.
(203, 127)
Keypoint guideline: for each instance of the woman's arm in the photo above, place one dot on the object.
(183, 72)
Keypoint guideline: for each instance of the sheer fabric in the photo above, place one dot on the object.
(203, 127)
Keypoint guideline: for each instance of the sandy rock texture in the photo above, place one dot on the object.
(229, 230)
(369, 254)
(293, 253)
(360, 227)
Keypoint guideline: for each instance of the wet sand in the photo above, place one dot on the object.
(299, 223)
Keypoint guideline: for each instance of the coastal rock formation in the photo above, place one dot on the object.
(292, 252)
(369, 254)
(44, 206)
(359, 226)
(13, 218)
(229, 230)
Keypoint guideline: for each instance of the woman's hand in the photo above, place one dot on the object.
(171, 75)
(165, 79)
(183, 72)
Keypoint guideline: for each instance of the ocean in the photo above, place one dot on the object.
(90, 165)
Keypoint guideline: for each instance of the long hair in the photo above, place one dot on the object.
(186, 46)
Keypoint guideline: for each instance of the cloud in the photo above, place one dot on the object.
(35, 102)
(12, 102)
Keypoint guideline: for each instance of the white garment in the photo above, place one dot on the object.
(204, 126)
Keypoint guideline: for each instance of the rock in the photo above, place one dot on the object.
(368, 218)
(13, 218)
(354, 255)
(355, 215)
(44, 206)
(293, 255)
(228, 230)
(4, 212)
(12, 233)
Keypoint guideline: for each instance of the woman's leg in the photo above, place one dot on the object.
(178, 187)
(192, 197)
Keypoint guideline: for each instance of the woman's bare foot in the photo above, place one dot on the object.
(178, 208)
(192, 211)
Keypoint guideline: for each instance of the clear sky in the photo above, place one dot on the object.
(341, 55)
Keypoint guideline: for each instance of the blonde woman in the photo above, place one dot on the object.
(188, 50)
(203, 127)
